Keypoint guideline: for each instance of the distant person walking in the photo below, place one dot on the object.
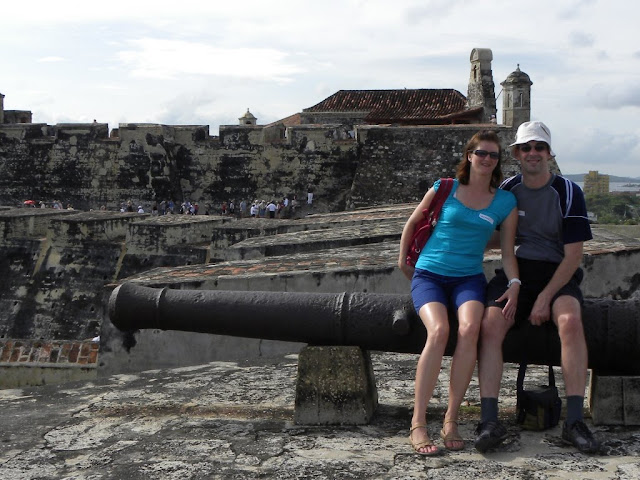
(271, 207)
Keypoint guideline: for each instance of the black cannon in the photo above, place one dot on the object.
(383, 322)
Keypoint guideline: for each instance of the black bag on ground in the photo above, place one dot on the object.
(540, 408)
(537, 409)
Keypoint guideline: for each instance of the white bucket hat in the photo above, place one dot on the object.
(537, 131)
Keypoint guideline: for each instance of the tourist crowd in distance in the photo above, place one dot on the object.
(56, 204)
(284, 208)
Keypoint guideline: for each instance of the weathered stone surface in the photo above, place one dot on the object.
(631, 396)
(235, 420)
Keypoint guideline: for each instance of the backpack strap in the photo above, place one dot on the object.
(446, 184)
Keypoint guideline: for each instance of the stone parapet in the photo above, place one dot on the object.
(28, 222)
(50, 352)
(313, 240)
(155, 234)
(34, 362)
(97, 226)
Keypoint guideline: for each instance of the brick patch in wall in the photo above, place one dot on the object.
(54, 352)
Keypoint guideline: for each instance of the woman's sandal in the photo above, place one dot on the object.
(451, 437)
(427, 443)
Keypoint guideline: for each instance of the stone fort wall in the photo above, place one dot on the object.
(81, 165)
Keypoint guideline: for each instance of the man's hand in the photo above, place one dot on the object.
(541, 311)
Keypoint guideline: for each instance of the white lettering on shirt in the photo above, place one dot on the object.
(486, 218)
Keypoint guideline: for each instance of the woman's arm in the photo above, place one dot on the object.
(407, 232)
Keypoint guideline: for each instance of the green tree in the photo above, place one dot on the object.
(614, 209)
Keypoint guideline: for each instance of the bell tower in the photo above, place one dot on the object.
(516, 99)
(248, 119)
(481, 92)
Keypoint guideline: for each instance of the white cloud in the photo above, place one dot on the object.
(615, 96)
(168, 59)
(51, 59)
(581, 39)
(582, 147)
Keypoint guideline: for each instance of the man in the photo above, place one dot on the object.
(552, 227)
(271, 207)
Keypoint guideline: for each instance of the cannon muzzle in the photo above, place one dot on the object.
(383, 322)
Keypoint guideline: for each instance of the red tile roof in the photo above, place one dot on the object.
(289, 121)
(393, 106)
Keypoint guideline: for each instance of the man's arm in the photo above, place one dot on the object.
(541, 311)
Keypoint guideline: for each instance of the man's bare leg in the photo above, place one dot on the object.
(574, 359)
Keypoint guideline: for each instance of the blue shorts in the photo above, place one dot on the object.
(430, 287)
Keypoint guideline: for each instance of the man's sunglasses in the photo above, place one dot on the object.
(540, 147)
(484, 153)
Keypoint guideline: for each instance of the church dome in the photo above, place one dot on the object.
(248, 119)
(248, 115)
(518, 76)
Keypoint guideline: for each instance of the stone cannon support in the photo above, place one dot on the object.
(335, 386)
(383, 322)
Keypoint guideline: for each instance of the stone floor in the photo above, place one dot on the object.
(227, 420)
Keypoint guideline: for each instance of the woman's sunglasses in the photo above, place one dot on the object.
(484, 153)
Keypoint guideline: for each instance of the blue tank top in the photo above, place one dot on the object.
(456, 246)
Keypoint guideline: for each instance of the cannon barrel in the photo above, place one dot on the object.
(384, 322)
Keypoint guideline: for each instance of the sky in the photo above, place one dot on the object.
(206, 62)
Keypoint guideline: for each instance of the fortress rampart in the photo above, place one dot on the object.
(81, 165)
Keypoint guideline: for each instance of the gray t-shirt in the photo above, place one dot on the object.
(548, 218)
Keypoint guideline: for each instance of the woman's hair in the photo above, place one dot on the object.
(464, 167)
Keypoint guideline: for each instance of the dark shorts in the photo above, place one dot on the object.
(535, 275)
(430, 287)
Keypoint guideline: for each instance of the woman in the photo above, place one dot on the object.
(449, 272)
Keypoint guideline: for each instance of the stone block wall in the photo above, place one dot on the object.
(27, 222)
(146, 163)
(399, 164)
(154, 235)
(82, 227)
(17, 116)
